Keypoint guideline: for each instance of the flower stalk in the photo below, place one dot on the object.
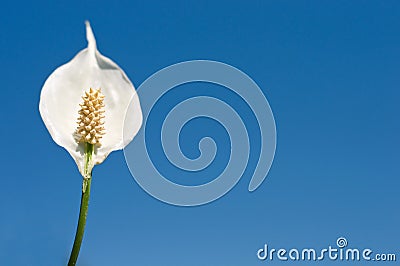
(87, 179)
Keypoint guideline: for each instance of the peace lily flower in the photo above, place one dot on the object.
(61, 96)
(83, 105)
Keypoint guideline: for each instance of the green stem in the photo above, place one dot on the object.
(87, 179)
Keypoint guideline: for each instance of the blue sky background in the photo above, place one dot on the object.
(331, 73)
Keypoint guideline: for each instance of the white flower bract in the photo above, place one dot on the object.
(61, 97)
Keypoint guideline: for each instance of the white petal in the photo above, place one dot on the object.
(61, 96)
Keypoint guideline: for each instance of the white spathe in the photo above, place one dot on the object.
(61, 95)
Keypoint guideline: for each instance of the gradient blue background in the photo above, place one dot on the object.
(331, 73)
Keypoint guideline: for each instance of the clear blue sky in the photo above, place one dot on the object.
(331, 73)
